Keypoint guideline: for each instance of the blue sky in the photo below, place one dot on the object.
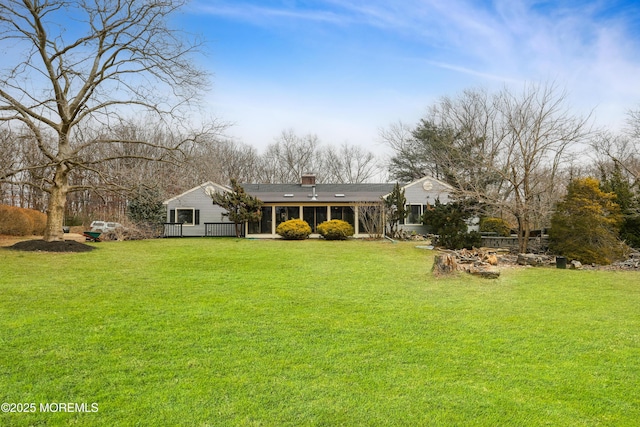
(344, 69)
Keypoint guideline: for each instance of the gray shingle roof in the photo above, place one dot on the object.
(325, 193)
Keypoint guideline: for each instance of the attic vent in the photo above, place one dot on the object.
(339, 195)
(288, 195)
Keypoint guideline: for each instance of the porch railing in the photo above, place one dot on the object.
(172, 229)
(221, 229)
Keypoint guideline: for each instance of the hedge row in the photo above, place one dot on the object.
(16, 221)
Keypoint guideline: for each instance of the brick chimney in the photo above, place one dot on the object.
(308, 180)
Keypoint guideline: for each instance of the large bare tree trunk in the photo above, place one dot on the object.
(126, 61)
(523, 233)
(56, 205)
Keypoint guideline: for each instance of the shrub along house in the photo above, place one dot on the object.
(193, 214)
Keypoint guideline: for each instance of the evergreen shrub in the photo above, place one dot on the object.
(294, 229)
(73, 220)
(495, 225)
(146, 207)
(336, 229)
(449, 222)
(586, 224)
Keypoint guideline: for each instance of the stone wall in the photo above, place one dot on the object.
(536, 244)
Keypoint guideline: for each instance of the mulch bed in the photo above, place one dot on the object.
(42, 246)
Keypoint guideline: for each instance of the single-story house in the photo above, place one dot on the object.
(192, 213)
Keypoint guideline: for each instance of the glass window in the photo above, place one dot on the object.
(264, 225)
(285, 213)
(344, 213)
(415, 214)
(185, 216)
(314, 216)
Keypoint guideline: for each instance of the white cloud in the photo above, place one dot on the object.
(491, 43)
(268, 16)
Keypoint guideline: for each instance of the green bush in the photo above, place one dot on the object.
(586, 224)
(630, 230)
(73, 220)
(335, 229)
(146, 207)
(294, 229)
(495, 225)
(449, 223)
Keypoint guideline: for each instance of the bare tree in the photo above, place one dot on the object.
(633, 124)
(7, 162)
(469, 139)
(447, 143)
(410, 161)
(222, 160)
(504, 150)
(67, 88)
(18, 151)
(620, 150)
(348, 164)
(536, 129)
(289, 157)
(371, 217)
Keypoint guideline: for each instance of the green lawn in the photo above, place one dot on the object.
(230, 332)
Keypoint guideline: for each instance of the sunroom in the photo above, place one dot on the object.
(316, 203)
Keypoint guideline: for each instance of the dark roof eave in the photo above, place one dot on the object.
(319, 200)
(325, 193)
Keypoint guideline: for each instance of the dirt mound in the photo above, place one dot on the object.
(42, 246)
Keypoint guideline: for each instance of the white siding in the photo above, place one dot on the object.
(197, 198)
(416, 194)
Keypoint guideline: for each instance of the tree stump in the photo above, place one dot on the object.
(444, 264)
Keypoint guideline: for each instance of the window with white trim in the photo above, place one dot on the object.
(415, 215)
(187, 216)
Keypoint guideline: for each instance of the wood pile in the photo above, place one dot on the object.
(484, 262)
(478, 262)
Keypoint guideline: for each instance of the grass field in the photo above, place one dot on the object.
(230, 332)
